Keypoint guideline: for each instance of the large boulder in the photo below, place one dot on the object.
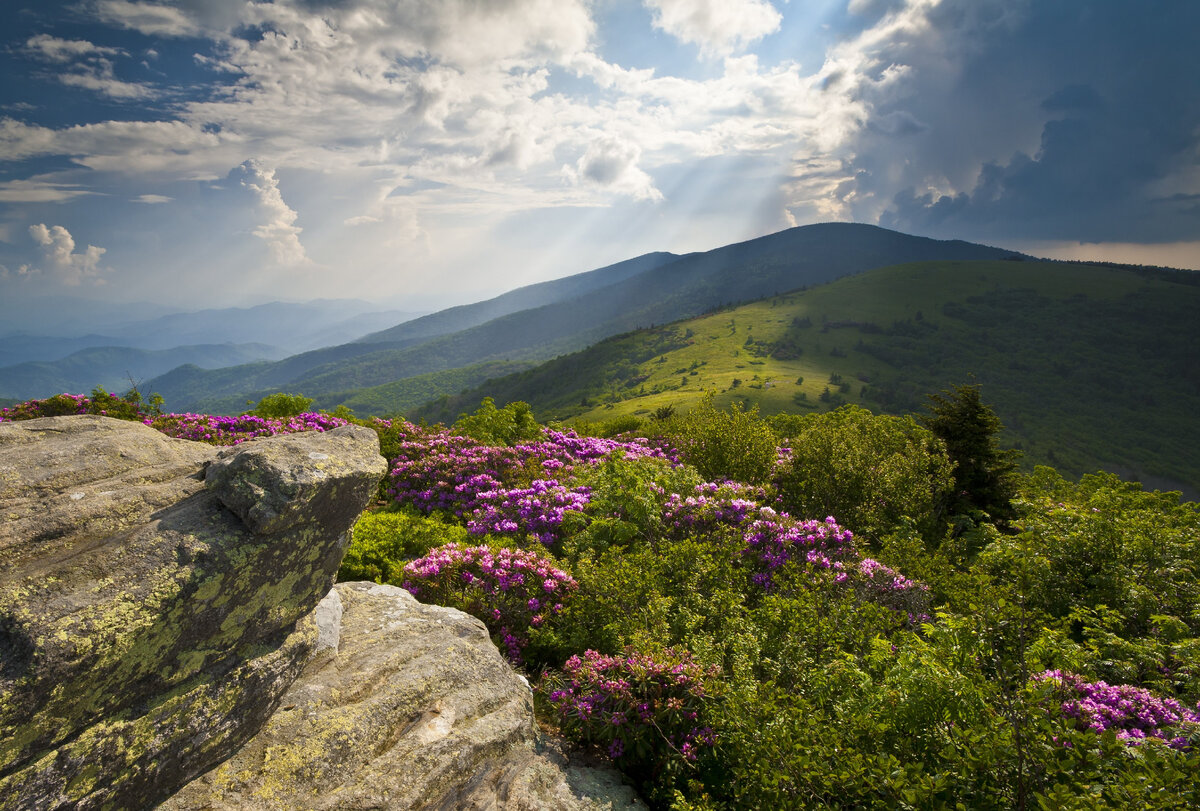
(404, 706)
(150, 620)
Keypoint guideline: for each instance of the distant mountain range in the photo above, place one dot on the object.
(286, 326)
(536, 323)
(117, 367)
(34, 365)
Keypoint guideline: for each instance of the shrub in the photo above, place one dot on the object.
(499, 426)
(279, 406)
(235, 430)
(511, 590)
(647, 712)
(870, 471)
(383, 542)
(1134, 714)
(128, 407)
(733, 444)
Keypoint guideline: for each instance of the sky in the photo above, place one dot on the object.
(421, 153)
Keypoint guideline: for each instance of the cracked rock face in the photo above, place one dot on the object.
(407, 706)
(150, 618)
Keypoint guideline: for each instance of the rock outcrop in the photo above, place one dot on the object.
(163, 639)
(404, 706)
(151, 615)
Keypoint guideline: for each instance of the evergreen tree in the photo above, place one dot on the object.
(985, 475)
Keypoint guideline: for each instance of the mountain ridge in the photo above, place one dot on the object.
(675, 288)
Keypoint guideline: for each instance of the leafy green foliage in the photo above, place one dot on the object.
(130, 406)
(499, 426)
(733, 443)
(873, 472)
(818, 689)
(275, 406)
(1113, 572)
(382, 542)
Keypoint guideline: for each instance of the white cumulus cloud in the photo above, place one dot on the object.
(58, 252)
(279, 231)
(717, 26)
(612, 163)
(152, 19)
(54, 49)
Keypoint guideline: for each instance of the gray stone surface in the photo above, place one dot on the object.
(416, 710)
(145, 630)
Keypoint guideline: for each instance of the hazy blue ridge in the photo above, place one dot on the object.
(113, 366)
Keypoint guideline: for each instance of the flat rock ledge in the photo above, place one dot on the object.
(151, 616)
(403, 706)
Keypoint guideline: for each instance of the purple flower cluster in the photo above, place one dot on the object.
(57, 406)
(778, 539)
(712, 505)
(441, 471)
(537, 510)
(1133, 713)
(510, 590)
(893, 590)
(524, 488)
(234, 430)
(632, 705)
(568, 448)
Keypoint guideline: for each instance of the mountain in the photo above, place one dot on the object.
(292, 327)
(463, 317)
(1088, 367)
(665, 289)
(113, 367)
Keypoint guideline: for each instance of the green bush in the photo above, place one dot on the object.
(510, 425)
(734, 444)
(130, 406)
(382, 542)
(279, 405)
(870, 472)
(1115, 573)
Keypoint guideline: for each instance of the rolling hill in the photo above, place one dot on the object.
(1089, 367)
(657, 289)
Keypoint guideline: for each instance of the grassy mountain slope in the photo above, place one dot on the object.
(1089, 367)
(112, 367)
(690, 285)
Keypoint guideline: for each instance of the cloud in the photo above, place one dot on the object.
(152, 199)
(1014, 121)
(125, 147)
(37, 190)
(719, 27)
(53, 49)
(100, 77)
(147, 18)
(613, 164)
(89, 68)
(279, 231)
(61, 260)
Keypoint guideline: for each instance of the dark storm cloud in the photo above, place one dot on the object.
(1073, 122)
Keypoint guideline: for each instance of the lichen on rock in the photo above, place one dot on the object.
(145, 628)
